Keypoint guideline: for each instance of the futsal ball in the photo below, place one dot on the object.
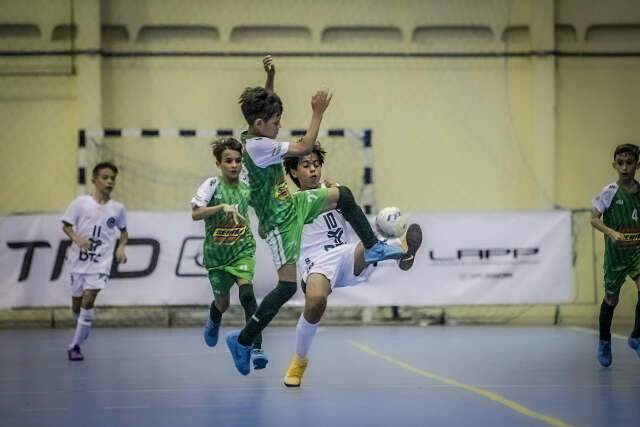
(390, 222)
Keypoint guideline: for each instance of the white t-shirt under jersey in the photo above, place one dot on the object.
(101, 225)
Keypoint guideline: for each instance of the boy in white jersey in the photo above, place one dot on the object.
(93, 223)
(329, 259)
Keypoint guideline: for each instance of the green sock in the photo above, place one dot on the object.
(355, 217)
(266, 311)
(214, 314)
(249, 304)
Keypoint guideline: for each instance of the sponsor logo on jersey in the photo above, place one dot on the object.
(632, 237)
(282, 191)
(309, 263)
(620, 202)
(229, 233)
(111, 222)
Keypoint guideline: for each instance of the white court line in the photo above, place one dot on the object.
(594, 332)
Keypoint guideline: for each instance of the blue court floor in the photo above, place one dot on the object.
(357, 376)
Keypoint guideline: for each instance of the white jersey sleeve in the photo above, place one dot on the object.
(265, 151)
(121, 220)
(205, 193)
(603, 200)
(71, 214)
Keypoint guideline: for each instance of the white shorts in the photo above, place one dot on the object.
(81, 282)
(336, 265)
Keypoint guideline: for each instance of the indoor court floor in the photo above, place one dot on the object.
(357, 376)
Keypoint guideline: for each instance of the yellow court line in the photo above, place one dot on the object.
(484, 393)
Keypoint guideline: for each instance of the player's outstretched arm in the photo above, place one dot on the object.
(270, 69)
(596, 222)
(319, 103)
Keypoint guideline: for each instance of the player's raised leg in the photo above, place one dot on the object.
(341, 198)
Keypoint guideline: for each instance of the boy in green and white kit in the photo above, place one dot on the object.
(229, 247)
(616, 213)
(283, 215)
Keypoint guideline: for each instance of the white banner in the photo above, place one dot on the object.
(514, 258)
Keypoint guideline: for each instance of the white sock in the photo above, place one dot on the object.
(305, 332)
(83, 327)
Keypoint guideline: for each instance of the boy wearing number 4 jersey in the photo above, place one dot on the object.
(616, 212)
(93, 223)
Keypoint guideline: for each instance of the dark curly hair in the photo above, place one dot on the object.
(627, 148)
(291, 163)
(226, 143)
(258, 103)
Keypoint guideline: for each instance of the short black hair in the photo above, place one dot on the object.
(258, 103)
(291, 163)
(103, 165)
(627, 148)
(225, 143)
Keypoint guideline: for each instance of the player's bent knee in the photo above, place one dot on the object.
(611, 300)
(222, 306)
(315, 305)
(246, 295)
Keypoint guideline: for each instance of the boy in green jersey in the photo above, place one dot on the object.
(229, 247)
(616, 213)
(281, 214)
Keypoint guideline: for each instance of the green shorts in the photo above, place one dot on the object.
(222, 278)
(614, 277)
(284, 241)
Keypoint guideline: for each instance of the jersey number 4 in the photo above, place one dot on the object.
(634, 215)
